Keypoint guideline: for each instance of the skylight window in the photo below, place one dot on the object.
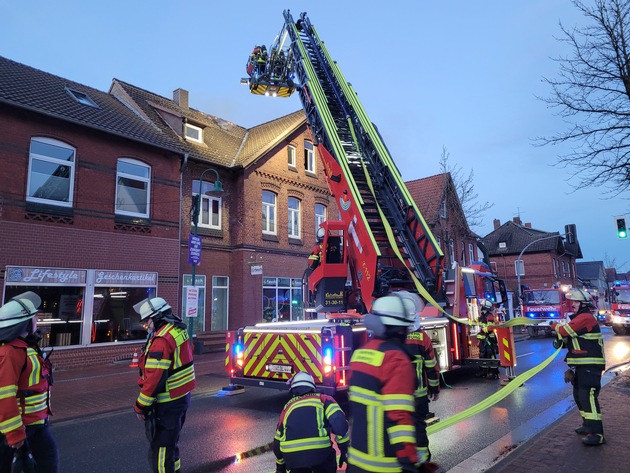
(81, 97)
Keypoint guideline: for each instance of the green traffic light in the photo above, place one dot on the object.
(623, 234)
(622, 229)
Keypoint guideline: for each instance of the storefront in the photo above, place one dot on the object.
(282, 299)
(82, 307)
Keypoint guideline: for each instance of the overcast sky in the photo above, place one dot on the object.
(458, 74)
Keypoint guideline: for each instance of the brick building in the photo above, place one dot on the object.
(96, 213)
(548, 258)
(437, 200)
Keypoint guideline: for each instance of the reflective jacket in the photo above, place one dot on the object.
(166, 368)
(427, 370)
(585, 343)
(25, 380)
(315, 257)
(382, 385)
(302, 437)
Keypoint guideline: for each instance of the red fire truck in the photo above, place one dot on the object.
(380, 244)
(620, 307)
(545, 306)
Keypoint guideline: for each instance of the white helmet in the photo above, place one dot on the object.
(393, 310)
(151, 307)
(302, 379)
(19, 309)
(485, 304)
(415, 305)
(320, 233)
(578, 295)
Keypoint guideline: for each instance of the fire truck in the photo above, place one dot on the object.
(544, 306)
(620, 307)
(380, 244)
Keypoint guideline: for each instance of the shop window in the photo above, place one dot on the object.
(282, 299)
(320, 215)
(309, 157)
(294, 218)
(268, 213)
(133, 181)
(210, 206)
(220, 299)
(50, 172)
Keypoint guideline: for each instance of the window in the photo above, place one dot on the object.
(133, 185)
(81, 97)
(193, 133)
(519, 267)
(268, 213)
(294, 218)
(502, 245)
(451, 251)
(309, 157)
(463, 254)
(209, 207)
(471, 253)
(51, 172)
(220, 293)
(555, 269)
(291, 156)
(282, 299)
(439, 242)
(320, 215)
(443, 209)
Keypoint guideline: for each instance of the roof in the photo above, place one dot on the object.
(30, 89)
(225, 143)
(519, 237)
(590, 269)
(428, 194)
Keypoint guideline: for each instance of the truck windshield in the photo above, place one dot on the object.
(541, 297)
(622, 296)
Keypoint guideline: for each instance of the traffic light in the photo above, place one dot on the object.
(622, 229)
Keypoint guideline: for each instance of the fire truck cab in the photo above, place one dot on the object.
(620, 307)
(546, 306)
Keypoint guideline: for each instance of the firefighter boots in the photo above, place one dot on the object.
(592, 440)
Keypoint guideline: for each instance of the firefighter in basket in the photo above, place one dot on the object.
(487, 339)
(427, 372)
(382, 385)
(25, 381)
(302, 441)
(583, 339)
(315, 258)
(167, 376)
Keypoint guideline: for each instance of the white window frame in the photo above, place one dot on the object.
(295, 217)
(146, 180)
(208, 200)
(291, 156)
(199, 131)
(52, 160)
(522, 267)
(451, 250)
(216, 288)
(309, 157)
(555, 268)
(269, 214)
(443, 208)
(471, 253)
(320, 216)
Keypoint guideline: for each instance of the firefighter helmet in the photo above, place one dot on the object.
(485, 304)
(148, 308)
(578, 295)
(320, 234)
(19, 309)
(393, 311)
(302, 379)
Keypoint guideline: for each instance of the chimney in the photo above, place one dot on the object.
(497, 223)
(517, 220)
(180, 97)
(528, 225)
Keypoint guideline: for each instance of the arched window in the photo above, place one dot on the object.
(269, 213)
(50, 172)
(294, 218)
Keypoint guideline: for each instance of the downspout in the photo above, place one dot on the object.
(180, 284)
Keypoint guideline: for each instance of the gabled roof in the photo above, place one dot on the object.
(30, 89)
(428, 194)
(518, 237)
(225, 143)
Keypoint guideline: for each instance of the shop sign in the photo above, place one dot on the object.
(38, 276)
(192, 297)
(125, 278)
(256, 269)
(194, 249)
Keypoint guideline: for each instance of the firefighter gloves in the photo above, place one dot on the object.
(569, 376)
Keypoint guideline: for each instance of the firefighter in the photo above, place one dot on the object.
(583, 338)
(427, 372)
(487, 339)
(167, 376)
(314, 259)
(25, 381)
(382, 385)
(302, 441)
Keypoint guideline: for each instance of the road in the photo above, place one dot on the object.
(219, 427)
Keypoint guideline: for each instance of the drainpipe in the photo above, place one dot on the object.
(180, 281)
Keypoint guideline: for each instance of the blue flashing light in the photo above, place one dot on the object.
(552, 314)
(328, 353)
(238, 348)
(531, 314)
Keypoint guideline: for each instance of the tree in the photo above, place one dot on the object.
(592, 94)
(465, 188)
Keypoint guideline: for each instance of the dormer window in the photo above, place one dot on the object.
(502, 245)
(81, 97)
(193, 133)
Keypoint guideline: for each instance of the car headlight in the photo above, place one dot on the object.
(617, 319)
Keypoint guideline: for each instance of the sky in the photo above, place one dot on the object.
(454, 74)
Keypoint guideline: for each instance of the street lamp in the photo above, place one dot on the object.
(519, 265)
(217, 187)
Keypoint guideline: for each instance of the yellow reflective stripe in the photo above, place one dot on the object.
(401, 434)
(312, 443)
(592, 336)
(570, 331)
(434, 383)
(341, 439)
(11, 424)
(373, 463)
(331, 409)
(430, 363)
(369, 357)
(397, 402)
(34, 377)
(152, 363)
(180, 378)
(585, 361)
(161, 460)
(145, 400)
(35, 403)
(8, 391)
